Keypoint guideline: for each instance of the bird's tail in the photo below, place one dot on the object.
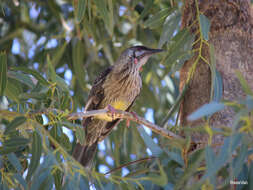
(85, 154)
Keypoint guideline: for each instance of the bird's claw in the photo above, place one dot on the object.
(128, 120)
(111, 110)
(134, 115)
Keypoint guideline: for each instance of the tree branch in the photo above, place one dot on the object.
(130, 163)
(119, 114)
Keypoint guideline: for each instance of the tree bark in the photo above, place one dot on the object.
(231, 34)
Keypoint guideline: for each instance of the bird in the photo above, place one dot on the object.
(117, 87)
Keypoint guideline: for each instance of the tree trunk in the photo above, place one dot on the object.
(231, 34)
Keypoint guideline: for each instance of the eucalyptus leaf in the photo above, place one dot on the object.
(21, 77)
(81, 6)
(206, 110)
(157, 19)
(14, 124)
(154, 148)
(14, 161)
(33, 73)
(204, 26)
(36, 154)
(3, 73)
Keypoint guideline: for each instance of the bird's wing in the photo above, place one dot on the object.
(96, 96)
(97, 92)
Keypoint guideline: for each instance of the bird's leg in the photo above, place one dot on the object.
(111, 110)
(134, 115)
(128, 120)
(127, 123)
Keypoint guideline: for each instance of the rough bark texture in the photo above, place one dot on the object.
(231, 34)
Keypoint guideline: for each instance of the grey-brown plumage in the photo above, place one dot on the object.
(117, 86)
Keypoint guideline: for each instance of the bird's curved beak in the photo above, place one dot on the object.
(153, 51)
(147, 52)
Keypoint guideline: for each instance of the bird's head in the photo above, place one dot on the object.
(137, 56)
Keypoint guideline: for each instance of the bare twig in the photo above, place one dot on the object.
(130, 163)
(126, 115)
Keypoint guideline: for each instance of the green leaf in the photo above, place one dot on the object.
(154, 148)
(240, 160)
(230, 144)
(38, 182)
(246, 88)
(206, 110)
(196, 161)
(80, 135)
(77, 58)
(13, 90)
(218, 87)
(3, 73)
(148, 5)
(58, 54)
(55, 78)
(179, 49)
(106, 15)
(33, 73)
(217, 83)
(81, 6)
(21, 77)
(204, 26)
(176, 157)
(157, 19)
(58, 179)
(14, 161)
(51, 72)
(21, 180)
(36, 154)
(65, 142)
(16, 142)
(62, 84)
(14, 124)
(170, 26)
(33, 95)
(160, 180)
(7, 150)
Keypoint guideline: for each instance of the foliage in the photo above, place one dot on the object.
(51, 52)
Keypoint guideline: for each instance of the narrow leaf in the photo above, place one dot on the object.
(170, 25)
(81, 6)
(33, 73)
(204, 26)
(14, 124)
(244, 83)
(21, 180)
(51, 71)
(58, 54)
(240, 160)
(155, 149)
(21, 77)
(105, 14)
(13, 89)
(14, 161)
(206, 110)
(16, 142)
(77, 58)
(157, 19)
(80, 135)
(3, 73)
(147, 7)
(36, 153)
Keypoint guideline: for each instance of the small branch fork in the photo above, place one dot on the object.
(119, 114)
